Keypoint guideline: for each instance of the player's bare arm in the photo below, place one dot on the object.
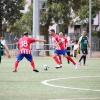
(40, 40)
(7, 50)
(89, 45)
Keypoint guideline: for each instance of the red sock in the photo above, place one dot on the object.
(32, 64)
(60, 59)
(56, 60)
(69, 58)
(16, 65)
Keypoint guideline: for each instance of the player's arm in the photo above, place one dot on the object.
(36, 40)
(7, 50)
(88, 44)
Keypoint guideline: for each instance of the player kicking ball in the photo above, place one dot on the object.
(24, 50)
(59, 49)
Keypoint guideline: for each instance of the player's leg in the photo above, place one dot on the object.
(84, 58)
(60, 59)
(30, 59)
(70, 59)
(56, 53)
(81, 57)
(18, 59)
(0, 59)
(68, 53)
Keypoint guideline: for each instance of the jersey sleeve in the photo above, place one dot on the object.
(66, 41)
(2, 43)
(87, 39)
(32, 40)
(80, 38)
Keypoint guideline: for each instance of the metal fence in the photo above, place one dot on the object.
(42, 50)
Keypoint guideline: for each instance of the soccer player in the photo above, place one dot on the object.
(2, 45)
(84, 43)
(59, 49)
(24, 50)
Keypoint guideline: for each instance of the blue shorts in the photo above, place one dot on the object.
(60, 52)
(27, 56)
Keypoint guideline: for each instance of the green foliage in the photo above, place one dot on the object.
(10, 12)
(24, 24)
(96, 33)
(57, 11)
(82, 12)
(10, 9)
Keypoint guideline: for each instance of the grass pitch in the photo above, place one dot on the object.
(80, 84)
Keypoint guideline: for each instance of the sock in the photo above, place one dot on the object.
(81, 58)
(32, 64)
(0, 59)
(60, 59)
(84, 59)
(16, 65)
(70, 59)
(56, 60)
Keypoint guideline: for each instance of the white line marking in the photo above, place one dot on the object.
(96, 98)
(45, 82)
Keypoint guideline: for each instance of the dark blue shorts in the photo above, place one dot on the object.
(27, 56)
(60, 52)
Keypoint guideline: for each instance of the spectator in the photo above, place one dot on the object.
(75, 46)
(15, 41)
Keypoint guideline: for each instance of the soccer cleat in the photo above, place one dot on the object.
(75, 66)
(58, 66)
(35, 70)
(15, 71)
(79, 63)
(85, 65)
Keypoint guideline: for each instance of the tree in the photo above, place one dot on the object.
(57, 11)
(10, 11)
(82, 11)
(24, 23)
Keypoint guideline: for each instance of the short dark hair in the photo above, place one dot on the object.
(85, 30)
(52, 30)
(25, 33)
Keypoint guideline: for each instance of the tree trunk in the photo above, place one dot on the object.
(0, 27)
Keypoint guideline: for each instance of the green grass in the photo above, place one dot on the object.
(26, 84)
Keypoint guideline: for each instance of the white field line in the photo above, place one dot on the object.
(45, 82)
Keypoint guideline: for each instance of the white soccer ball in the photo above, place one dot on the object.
(46, 67)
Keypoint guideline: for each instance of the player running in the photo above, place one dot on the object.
(84, 43)
(59, 49)
(24, 50)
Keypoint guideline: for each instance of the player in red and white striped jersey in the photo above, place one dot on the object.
(24, 50)
(59, 48)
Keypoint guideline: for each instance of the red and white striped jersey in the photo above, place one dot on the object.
(24, 44)
(56, 39)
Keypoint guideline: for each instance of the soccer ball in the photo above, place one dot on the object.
(46, 67)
